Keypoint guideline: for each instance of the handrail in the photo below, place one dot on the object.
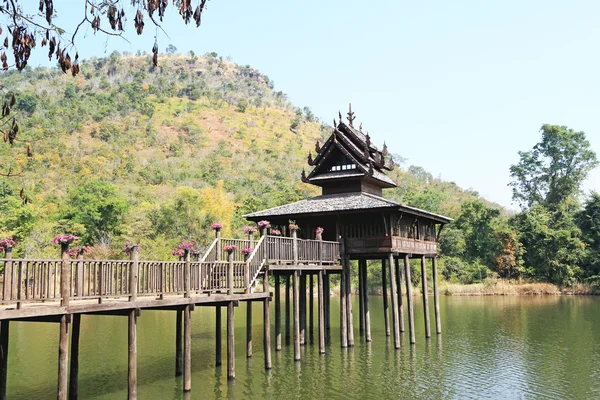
(210, 248)
(253, 275)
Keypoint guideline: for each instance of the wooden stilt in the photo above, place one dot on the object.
(386, 314)
(63, 358)
(409, 299)
(327, 308)
(366, 303)
(399, 287)
(296, 317)
(425, 298)
(74, 370)
(288, 302)
(361, 302)
(320, 301)
(248, 329)
(277, 313)
(218, 338)
(349, 321)
(343, 311)
(311, 303)
(266, 323)
(187, 349)
(4, 335)
(302, 308)
(230, 342)
(178, 343)
(395, 319)
(436, 296)
(132, 356)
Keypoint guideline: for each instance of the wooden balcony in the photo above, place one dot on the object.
(395, 244)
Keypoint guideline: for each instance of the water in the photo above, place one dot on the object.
(491, 347)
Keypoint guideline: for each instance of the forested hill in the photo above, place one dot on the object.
(127, 152)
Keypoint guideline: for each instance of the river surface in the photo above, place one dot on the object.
(491, 347)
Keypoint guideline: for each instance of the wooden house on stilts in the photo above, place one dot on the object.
(352, 211)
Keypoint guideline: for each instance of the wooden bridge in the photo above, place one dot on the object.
(62, 290)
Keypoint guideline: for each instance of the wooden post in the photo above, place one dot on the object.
(384, 292)
(248, 329)
(296, 316)
(327, 304)
(7, 292)
(132, 356)
(79, 283)
(187, 348)
(409, 299)
(394, 297)
(178, 343)
(133, 273)
(436, 296)
(343, 311)
(288, 301)
(230, 272)
(4, 331)
(186, 274)
(218, 345)
(230, 342)
(366, 303)
(74, 372)
(266, 321)
(311, 307)
(425, 298)
(277, 313)
(302, 308)
(361, 302)
(349, 321)
(321, 324)
(65, 277)
(218, 237)
(63, 359)
(399, 286)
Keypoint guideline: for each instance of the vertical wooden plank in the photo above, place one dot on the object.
(311, 297)
(178, 343)
(425, 298)
(296, 316)
(399, 286)
(218, 345)
(366, 303)
(4, 336)
(63, 359)
(248, 329)
(65, 280)
(384, 292)
(187, 349)
(277, 312)
(436, 296)
(230, 342)
(302, 308)
(74, 370)
(320, 301)
(409, 299)
(288, 301)
(266, 322)
(132, 355)
(395, 322)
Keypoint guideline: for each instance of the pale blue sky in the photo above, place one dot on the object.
(457, 87)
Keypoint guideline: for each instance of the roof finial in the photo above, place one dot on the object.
(360, 127)
(340, 114)
(368, 140)
(303, 176)
(392, 165)
(310, 159)
(334, 123)
(318, 146)
(385, 149)
(351, 117)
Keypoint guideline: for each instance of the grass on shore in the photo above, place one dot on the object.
(500, 287)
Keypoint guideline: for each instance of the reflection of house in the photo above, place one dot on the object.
(351, 172)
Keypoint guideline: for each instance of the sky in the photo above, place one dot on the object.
(455, 87)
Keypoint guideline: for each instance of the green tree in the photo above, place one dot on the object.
(477, 224)
(554, 169)
(589, 222)
(98, 207)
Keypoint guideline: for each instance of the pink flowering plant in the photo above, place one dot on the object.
(293, 226)
(65, 239)
(275, 232)
(249, 230)
(216, 226)
(178, 252)
(230, 247)
(264, 224)
(128, 247)
(319, 230)
(73, 253)
(247, 250)
(7, 243)
(187, 245)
